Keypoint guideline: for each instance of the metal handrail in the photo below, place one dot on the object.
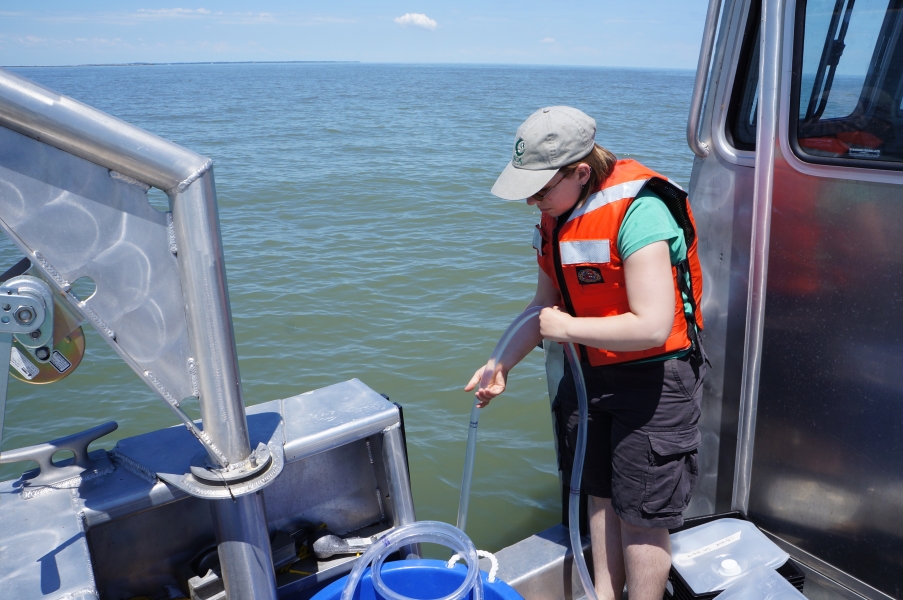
(699, 148)
(766, 136)
(40, 113)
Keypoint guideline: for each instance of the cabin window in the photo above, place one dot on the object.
(743, 109)
(848, 83)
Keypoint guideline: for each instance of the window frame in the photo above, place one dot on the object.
(798, 25)
(744, 65)
(729, 48)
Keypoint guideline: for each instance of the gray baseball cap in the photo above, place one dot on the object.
(551, 138)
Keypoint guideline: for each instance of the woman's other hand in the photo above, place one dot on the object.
(495, 387)
(554, 323)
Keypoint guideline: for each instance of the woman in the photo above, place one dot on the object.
(619, 277)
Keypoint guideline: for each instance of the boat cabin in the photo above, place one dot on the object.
(796, 187)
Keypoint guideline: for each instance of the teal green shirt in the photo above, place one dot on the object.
(648, 220)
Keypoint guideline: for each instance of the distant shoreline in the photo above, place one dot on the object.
(164, 64)
(340, 62)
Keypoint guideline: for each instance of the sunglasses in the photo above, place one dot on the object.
(542, 194)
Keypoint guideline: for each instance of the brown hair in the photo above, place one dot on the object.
(601, 163)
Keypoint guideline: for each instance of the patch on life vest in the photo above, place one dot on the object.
(589, 275)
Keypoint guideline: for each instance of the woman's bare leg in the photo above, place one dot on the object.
(647, 558)
(608, 553)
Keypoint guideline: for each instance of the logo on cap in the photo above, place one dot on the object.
(519, 148)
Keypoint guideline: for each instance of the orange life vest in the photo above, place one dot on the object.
(581, 257)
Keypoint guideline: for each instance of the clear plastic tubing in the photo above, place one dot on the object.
(577, 472)
(464, 502)
(431, 532)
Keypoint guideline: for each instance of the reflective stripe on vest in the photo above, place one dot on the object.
(594, 251)
(628, 189)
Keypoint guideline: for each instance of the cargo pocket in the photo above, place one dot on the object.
(672, 471)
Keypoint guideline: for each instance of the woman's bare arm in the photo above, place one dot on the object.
(650, 294)
(520, 345)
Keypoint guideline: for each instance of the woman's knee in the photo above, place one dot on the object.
(652, 536)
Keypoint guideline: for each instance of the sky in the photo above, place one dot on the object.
(643, 33)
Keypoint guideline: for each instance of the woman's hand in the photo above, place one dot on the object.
(554, 323)
(496, 384)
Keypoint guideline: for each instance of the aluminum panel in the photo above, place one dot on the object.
(73, 219)
(43, 553)
(721, 197)
(337, 487)
(827, 472)
(140, 554)
(334, 415)
(121, 495)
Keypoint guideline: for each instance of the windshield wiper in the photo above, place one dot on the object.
(830, 56)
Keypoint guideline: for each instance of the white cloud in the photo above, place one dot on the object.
(547, 41)
(416, 20)
(245, 18)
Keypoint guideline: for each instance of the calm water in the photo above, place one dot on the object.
(361, 241)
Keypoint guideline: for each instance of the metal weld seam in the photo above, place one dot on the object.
(133, 466)
(193, 374)
(97, 320)
(162, 389)
(171, 234)
(189, 424)
(379, 500)
(129, 180)
(191, 179)
(205, 439)
(71, 482)
(80, 593)
(50, 270)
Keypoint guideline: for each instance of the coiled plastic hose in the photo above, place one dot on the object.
(577, 472)
(432, 532)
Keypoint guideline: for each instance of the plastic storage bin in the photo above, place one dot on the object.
(681, 591)
(761, 583)
(423, 579)
(711, 556)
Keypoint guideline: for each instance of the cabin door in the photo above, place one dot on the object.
(826, 472)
